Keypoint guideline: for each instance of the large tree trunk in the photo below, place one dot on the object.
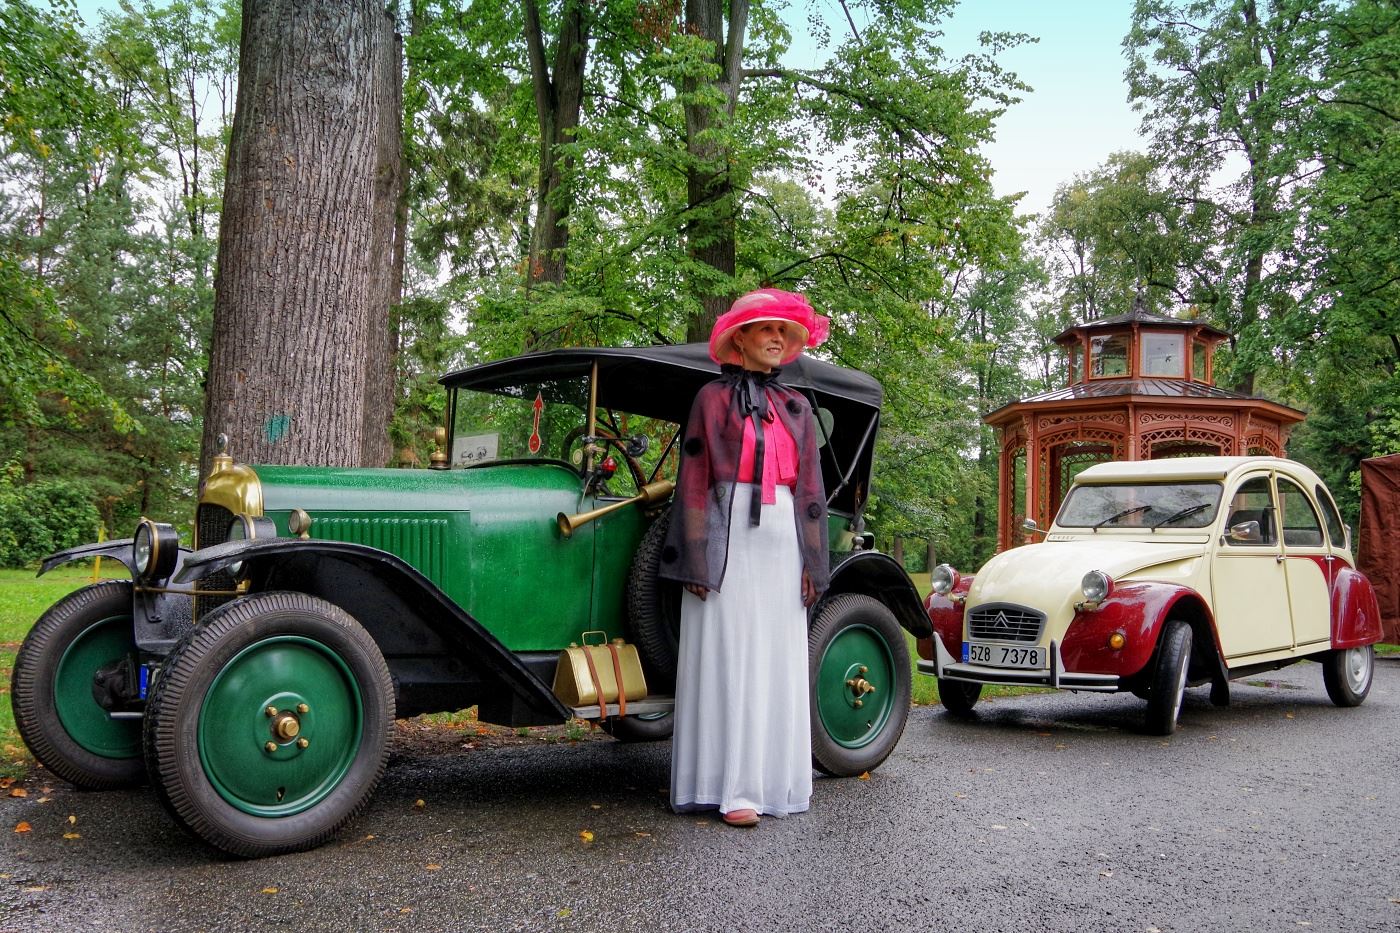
(559, 106)
(382, 348)
(709, 191)
(297, 246)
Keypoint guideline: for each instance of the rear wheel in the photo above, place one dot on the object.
(269, 726)
(1169, 678)
(858, 668)
(56, 699)
(654, 610)
(958, 696)
(649, 727)
(1347, 674)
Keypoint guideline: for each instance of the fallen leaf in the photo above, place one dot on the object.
(6, 782)
(32, 889)
(998, 826)
(72, 819)
(420, 804)
(72, 835)
(642, 834)
(22, 827)
(405, 910)
(433, 866)
(43, 800)
(1044, 733)
(269, 891)
(960, 796)
(865, 775)
(596, 806)
(46, 790)
(18, 792)
(586, 835)
(1106, 873)
(564, 912)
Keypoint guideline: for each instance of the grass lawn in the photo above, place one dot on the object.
(23, 598)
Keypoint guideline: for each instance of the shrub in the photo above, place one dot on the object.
(39, 518)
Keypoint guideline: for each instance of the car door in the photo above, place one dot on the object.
(1307, 566)
(1248, 582)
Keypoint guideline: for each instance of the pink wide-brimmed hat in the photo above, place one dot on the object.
(769, 304)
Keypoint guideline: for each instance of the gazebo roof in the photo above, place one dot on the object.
(1140, 315)
(1147, 389)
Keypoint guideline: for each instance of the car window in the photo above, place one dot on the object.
(1140, 505)
(1250, 521)
(1331, 516)
(531, 421)
(1301, 527)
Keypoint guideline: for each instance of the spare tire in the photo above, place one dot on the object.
(654, 610)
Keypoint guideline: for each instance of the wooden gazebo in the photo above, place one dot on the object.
(1140, 387)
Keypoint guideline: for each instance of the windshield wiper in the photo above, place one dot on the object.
(1123, 514)
(1181, 513)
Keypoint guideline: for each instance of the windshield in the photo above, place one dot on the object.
(530, 421)
(1146, 505)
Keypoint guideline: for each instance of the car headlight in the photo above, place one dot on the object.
(944, 578)
(155, 550)
(1096, 586)
(248, 528)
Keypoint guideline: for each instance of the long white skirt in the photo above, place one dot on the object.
(742, 735)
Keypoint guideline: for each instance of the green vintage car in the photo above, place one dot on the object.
(254, 679)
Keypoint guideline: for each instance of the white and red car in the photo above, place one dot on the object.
(1157, 575)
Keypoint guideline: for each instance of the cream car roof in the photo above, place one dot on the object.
(1190, 468)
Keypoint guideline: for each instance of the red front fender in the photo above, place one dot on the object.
(1356, 617)
(946, 614)
(1137, 611)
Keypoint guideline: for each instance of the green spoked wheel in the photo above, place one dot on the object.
(268, 729)
(58, 708)
(858, 665)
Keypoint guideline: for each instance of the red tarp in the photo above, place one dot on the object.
(1378, 547)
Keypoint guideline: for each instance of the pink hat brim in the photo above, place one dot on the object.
(768, 304)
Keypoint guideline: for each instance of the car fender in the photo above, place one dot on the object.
(945, 614)
(1137, 610)
(1356, 616)
(880, 576)
(429, 642)
(118, 550)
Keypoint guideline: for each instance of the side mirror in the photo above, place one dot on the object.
(1247, 533)
(1030, 525)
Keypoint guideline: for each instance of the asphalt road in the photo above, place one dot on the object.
(1048, 812)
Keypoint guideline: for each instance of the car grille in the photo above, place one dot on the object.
(1001, 622)
(211, 527)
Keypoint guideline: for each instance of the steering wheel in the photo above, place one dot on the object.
(639, 475)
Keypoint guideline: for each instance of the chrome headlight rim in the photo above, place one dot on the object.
(944, 579)
(245, 527)
(1096, 586)
(155, 549)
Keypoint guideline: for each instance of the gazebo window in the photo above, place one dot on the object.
(1109, 355)
(1162, 355)
(1198, 360)
(1076, 351)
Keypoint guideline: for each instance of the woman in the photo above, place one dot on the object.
(748, 541)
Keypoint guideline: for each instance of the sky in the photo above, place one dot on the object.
(1077, 112)
(1075, 116)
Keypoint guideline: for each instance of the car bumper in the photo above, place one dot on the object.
(946, 667)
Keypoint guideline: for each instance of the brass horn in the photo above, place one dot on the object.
(651, 494)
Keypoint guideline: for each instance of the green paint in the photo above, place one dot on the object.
(234, 727)
(854, 647)
(277, 427)
(100, 645)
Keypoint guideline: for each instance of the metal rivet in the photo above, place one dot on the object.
(859, 703)
(303, 708)
(303, 743)
(864, 669)
(271, 711)
(270, 747)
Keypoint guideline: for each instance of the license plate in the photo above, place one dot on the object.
(1006, 656)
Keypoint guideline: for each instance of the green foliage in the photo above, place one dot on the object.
(39, 518)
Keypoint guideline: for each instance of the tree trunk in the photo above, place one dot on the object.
(897, 552)
(930, 556)
(297, 244)
(558, 105)
(709, 190)
(387, 270)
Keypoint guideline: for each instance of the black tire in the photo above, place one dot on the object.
(958, 696)
(1347, 674)
(51, 690)
(654, 610)
(652, 727)
(237, 776)
(854, 642)
(1169, 678)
